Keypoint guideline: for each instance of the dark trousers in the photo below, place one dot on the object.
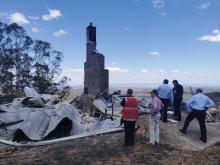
(164, 110)
(177, 110)
(122, 121)
(129, 132)
(200, 115)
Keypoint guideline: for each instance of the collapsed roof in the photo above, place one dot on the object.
(31, 118)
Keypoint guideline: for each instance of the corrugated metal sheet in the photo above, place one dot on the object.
(14, 115)
(41, 123)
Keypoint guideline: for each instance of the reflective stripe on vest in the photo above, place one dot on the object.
(130, 110)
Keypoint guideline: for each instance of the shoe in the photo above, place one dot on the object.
(121, 126)
(203, 140)
(177, 119)
(184, 132)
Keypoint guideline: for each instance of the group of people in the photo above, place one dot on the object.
(162, 97)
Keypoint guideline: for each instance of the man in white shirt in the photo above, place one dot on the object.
(197, 106)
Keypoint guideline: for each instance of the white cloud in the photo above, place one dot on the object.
(35, 29)
(161, 71)
(204, 6)
(18, 18)
(214, 37)
(200, 74)
(145, 71)
(216, 31)
(53, 14)
(34, 17)
(117, 69)
(186, 73)
(175, 71)
(155, 53)
(163, 13)
(59, 33)
(158, 4)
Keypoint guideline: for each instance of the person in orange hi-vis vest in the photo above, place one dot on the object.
(129, 116)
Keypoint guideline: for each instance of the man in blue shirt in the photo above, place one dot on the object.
(166, 96)
(197, 106)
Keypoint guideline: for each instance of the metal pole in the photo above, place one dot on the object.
(105, 113)
(113, 109)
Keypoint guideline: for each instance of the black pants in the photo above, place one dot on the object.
(122, 121)
(177, 110)
(200, 115)
(129, 132)
(164, 110)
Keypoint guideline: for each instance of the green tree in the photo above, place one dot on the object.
(26, 62)
(46, 67)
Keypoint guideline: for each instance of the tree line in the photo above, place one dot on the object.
(26, 62)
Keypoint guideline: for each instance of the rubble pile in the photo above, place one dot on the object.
(39, 117)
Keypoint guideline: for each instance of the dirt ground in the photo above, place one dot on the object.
(109, 149)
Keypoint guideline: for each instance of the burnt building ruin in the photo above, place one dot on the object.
(96, 77)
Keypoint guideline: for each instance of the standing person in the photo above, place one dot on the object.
(178, 97)
(197, 106)
(129, 116)
(166, 96)
(154, 118)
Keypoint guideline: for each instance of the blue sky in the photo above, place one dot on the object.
(144, 41)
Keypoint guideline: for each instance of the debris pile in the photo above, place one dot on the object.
(38, 117)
